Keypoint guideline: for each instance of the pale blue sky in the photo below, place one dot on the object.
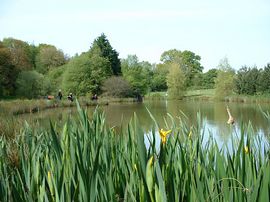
(238, 29)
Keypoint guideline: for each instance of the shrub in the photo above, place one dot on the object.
(116, 87)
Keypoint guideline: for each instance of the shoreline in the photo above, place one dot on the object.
(18, 107)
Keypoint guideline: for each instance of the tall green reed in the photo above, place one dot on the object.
(87, 161)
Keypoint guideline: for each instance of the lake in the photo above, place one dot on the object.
(213, 115)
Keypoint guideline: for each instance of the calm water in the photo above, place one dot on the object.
(213, 114)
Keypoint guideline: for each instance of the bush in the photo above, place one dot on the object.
(117, 87)
(31, 84)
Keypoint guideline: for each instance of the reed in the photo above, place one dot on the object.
(87, 161)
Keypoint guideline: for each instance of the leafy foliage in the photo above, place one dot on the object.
(188, 61)
(31, 84)
(264, 80)
(108, 53)
(159, 81)
(208, 79)
(8, 73)
(55, 77)
(86, 73)
(116, 87)
(136, 74)
(224, 83)
(21, 53)
(246, 81)
(176, 82)
(49, 57)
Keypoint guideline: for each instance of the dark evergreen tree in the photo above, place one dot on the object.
(109, 53)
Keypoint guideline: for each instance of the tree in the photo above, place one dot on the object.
(55, 76)
(109, 53)
(224, 82)
(86, 73)
(117, 87)
(263, 80)
(137, 76)
(246, 80)
(208, 79)
(8, 73)
(176, 82)
(31, 84)
(21, 55)
(159, 81)
(49, 57)
(188, 61)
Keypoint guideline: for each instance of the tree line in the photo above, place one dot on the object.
(30, 71)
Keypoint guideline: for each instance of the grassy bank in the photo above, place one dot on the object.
(204, 94)
(248, 98)
(15, 107)
(209, 95)
(86, 161)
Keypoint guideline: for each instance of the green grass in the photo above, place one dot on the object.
(248, 98)
(156, 96)
(203, 94)
(16, 107)
(209, 94)
(87, 161)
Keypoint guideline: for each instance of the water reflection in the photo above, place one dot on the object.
(214, 116)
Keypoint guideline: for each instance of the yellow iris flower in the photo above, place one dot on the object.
(163, 134)
(246, 150)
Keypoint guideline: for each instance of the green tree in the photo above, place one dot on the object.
(55, 76)
(109, 53)
(188, 61)
(31, 84)
(135, 73)
(49, 57)
(21, 55)
(208, 79)
(264, 80)
(159, 81)
(176, 82)
(86, 73)
(116, 86)
(224, 82)
(246, 80)
(8, 73)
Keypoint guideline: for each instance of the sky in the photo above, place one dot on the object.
(212, 29)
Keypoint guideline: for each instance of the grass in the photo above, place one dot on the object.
(209, 95)
(156, 96)
(20, 106)
(248, 98)
(203, 94)
(87, 161)
(16, 107)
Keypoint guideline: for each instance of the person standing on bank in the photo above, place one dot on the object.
(70, 97)
(60, 95)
